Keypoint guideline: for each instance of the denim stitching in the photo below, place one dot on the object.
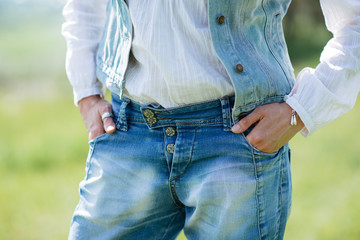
(226, 114)
(260, 62)
(252, 105)
(175, 124)
(257, 191)
(268, 43)
(166, 159)
(134, 121)
(282, 165)
(168, 227)
(91, 153)
(177, 121)
(187, 123)
(122, 115)
(173, 194)
(257, 151)
(216, 120)
(191, 153)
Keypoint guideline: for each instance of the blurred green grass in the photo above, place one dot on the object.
(42, 150)
(43, 145)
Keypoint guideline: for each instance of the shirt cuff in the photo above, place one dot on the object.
(304, 116)
(83, 93)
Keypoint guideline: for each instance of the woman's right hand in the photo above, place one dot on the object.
(91, 109)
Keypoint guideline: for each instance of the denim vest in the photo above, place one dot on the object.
(247, 36)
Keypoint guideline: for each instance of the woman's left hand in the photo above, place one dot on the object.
(273, 129)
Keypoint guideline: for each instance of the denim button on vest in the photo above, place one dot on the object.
(247, 36)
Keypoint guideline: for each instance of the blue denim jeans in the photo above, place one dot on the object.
(165, 170)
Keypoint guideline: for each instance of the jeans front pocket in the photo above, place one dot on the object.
(97, 138)
(254, 149)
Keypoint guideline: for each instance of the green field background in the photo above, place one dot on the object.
(43, 143)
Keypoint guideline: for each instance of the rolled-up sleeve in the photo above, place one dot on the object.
(323, 94)
(82, 29)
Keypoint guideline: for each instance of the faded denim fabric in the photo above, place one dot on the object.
(165, 170)
(247, 36)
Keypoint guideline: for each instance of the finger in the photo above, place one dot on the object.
(108, 122)
(246, 122)
(109, 125)
(260, 138)
(96, 131)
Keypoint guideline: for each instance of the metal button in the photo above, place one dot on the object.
(170, 148)
(170, 131)
(239, 68)
(221, 19)
(149, 113)
(151, 120)
(150, 116)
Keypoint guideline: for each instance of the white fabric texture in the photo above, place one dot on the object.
(174, 60)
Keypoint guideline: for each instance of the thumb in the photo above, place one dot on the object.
(108, 122)
(246, 122)
(109, 125)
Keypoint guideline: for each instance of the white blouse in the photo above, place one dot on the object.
(174, 62)
(320, 95)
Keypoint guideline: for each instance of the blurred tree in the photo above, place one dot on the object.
(305, 30)
(302, 15)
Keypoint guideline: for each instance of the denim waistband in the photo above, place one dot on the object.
(210, 113)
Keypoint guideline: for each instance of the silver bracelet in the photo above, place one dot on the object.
(293, 121)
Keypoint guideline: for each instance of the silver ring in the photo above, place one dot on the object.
(106, 115)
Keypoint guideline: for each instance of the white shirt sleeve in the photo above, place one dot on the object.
(325, 93)
(83, 27)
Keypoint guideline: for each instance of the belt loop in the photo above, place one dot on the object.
(226, 113)
(122, 120)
